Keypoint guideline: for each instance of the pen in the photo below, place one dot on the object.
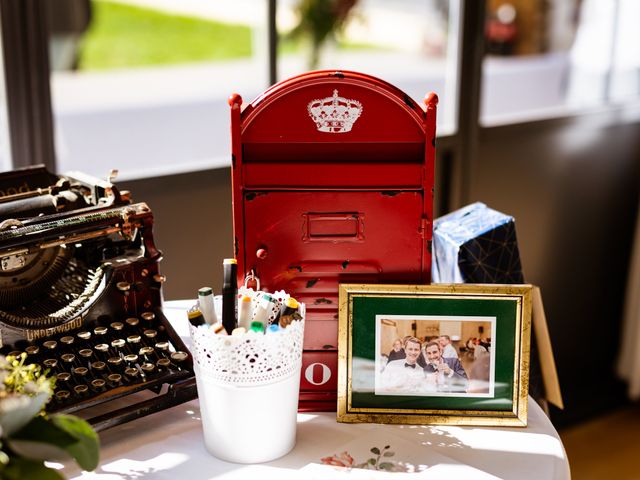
(205, 305)
(290, 312)
(263, 309)
(195, 318)
(257, 327)
(244, 312)
(229, 294)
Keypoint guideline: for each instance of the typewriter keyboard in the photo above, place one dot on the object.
(108, 360)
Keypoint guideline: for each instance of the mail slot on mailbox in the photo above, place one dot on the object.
(332, 182)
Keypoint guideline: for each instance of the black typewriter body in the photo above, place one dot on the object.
(81, 295)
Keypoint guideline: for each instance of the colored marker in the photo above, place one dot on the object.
(263, 309)
(229, 293)
(218, 328)
(257, 327)
(205, 305)
(274, 328)
(290, 312)
(238, 331)
(244, 312)
(196, 318)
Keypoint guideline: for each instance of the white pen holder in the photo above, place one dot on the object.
(248, 387)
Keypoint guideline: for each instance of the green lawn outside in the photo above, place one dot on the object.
(124, 36)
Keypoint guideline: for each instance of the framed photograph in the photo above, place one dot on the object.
(434, 354)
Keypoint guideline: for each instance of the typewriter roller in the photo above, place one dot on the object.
(80, 294)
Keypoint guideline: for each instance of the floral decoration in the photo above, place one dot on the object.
(374, 463)
(28, 436)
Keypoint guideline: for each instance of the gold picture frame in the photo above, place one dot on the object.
(375, 389)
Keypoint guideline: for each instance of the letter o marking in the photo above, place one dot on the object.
(326, 374)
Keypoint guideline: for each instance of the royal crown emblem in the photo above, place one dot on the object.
(334, 114)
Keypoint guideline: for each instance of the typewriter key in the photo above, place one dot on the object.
(148, 367)
(80, 371)
(100, 330)
(163, 346)
(150, 333)
(32, 350)
(84, 335)
(131, 372)
(98, 365)
(102, 347)
(50, 363)
(67, 340)
(134, 339)
(118, 343)
(179, 357)
(50, 344)
(68, 357)
(132, 358)
(62, 395)
(148, 316)
(63, 377)
(163, 363)
(145, 351)
(86, 352)
(117, 326)
(114, 378)
(80, 389)
(132, 321)
(114, 361)
(14, 353)
(124, 287)
(98, 383)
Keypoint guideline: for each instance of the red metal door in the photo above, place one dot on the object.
(307, 242)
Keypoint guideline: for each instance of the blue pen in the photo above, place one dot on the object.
(273, 328)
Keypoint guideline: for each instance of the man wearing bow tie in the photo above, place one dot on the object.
(405, 375)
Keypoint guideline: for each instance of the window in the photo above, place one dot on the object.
(5, 139)
(558, 57)
(411, 44)
(142, 86)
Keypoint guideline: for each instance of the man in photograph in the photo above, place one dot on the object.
(448, 350)
(404, 375)
(447, 373)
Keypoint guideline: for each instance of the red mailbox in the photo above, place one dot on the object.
(332, 183)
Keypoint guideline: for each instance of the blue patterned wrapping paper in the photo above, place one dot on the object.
(475, 244)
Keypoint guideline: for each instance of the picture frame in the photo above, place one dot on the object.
(488, 327)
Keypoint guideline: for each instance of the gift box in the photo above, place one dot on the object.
(476, 245)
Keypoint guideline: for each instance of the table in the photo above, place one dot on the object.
(169, 445)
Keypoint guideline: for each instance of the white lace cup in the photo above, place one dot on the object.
(249, 359)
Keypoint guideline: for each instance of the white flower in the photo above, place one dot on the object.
(16, 410)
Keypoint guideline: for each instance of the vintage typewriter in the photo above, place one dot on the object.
(80, 294)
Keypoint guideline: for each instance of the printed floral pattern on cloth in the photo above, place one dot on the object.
(374, 463)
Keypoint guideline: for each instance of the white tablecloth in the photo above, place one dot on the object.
(169, 445)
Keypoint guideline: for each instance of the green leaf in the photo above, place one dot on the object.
(375, 450)
(39, 451)
(386, 466)
(39, 429)
(372, 461)
(86, 450)
(388, 454)
(22, 469)
(387, 447)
